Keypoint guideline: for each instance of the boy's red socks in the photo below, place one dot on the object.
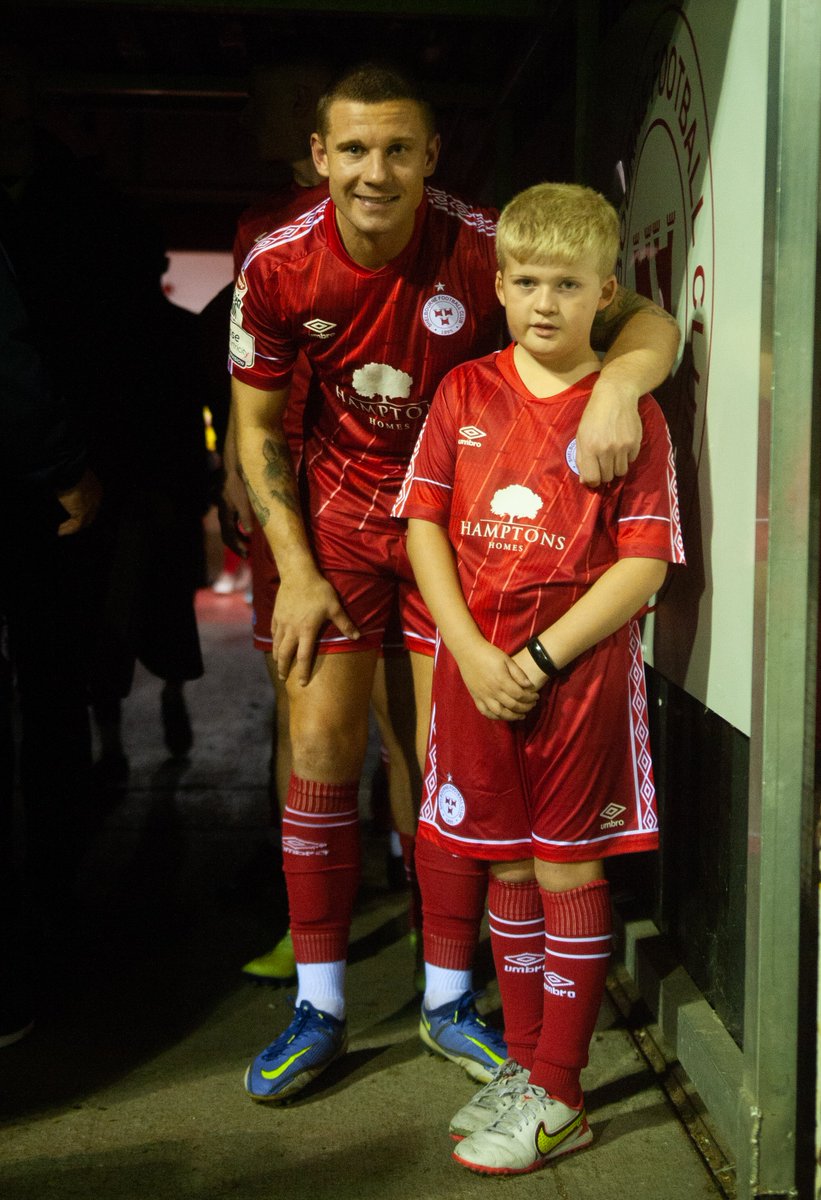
(321, 858)
(453, 904)
(516, 919)
(578, 928)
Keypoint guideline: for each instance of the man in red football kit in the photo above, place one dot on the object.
(282, 111)
(538, 757)
(384, 287)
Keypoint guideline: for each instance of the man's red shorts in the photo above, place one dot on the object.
(373, 578)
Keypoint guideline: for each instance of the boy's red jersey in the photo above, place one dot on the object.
(378, 342)
(496, 466)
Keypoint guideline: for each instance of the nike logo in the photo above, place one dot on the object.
(545, 1142)
(494, 1057)
(275, 1074)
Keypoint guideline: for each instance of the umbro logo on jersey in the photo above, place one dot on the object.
(523, 964)
(320, 328)
(611, 816)
(298, 845)
(557, 985)
(469, 436)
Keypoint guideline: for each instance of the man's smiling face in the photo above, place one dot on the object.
(376, 158)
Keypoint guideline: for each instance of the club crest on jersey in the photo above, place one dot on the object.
(451, 804)
(443, 314)
(570, 457)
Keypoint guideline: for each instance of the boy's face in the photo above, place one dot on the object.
(550, 307)
(376, 158)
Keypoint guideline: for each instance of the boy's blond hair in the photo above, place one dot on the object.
(558, 220)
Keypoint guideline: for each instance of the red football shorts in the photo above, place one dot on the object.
(372, 576)
(572, 782)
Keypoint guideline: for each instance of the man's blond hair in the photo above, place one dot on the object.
(559, 221)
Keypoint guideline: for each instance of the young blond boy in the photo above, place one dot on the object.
(538, 759)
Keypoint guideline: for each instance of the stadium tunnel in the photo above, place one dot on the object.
(701, 122)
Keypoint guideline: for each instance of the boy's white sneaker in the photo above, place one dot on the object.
(508, 1082)
(531, 1132)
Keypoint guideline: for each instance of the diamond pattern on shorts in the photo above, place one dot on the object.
(648, 820)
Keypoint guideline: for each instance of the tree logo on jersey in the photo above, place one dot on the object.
(526, 963)
(451, 804)
(516, 501)
(570, 457)
(443, 314)
(516, 505)
(382, 392)
(557, 985)
(320, 328)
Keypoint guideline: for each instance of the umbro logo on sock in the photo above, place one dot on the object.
(557, 985)
(523, 964)
(298, 845)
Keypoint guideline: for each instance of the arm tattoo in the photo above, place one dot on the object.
(609, 323)
(279, 474)
(260, 511)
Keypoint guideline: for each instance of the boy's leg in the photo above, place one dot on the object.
(516, 920)
(516, 923)
(453, 903)
(547, 1118)
(578, 927)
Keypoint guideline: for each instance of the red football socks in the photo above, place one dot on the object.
(453, 904)
(577, 954)
(321, 857)
(516, 919)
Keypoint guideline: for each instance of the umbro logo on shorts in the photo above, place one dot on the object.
(611, 816)
(298, 845)
(320, 328)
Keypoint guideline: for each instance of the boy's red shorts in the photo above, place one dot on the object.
(572, 782)
(372, 577)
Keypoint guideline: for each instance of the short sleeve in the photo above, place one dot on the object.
(427, 489)
(260, 347)
(648, 519)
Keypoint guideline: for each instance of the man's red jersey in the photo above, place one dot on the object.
(277, 209)
(496, 466)
(378, 342)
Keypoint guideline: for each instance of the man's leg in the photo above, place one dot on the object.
(321, 859)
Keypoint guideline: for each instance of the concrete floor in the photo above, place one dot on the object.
(130, 1087)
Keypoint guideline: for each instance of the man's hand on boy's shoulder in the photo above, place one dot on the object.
(500, 688)
(609, 435)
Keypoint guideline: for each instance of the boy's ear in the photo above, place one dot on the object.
(499, 289)
(608, 291)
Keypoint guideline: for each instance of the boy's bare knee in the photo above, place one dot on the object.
(513, 872)
(563, 876)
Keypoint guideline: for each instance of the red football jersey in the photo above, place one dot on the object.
(496, 466)
(277, 209)
(378, 342)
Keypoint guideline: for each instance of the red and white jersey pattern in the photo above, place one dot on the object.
(277, 209)
(496, 466)
(378, 342)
